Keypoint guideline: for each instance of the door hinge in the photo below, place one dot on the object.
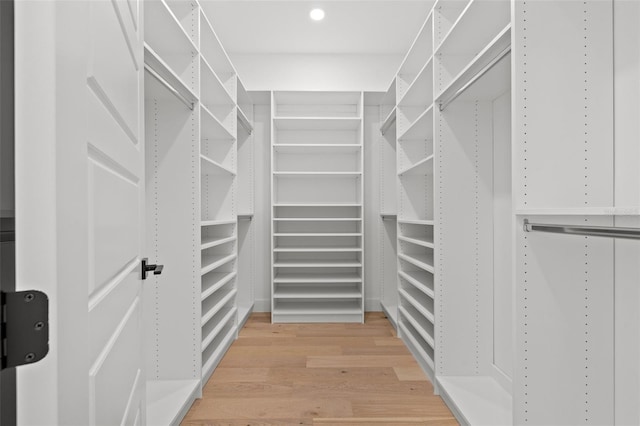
(147, 267)
(24, 329)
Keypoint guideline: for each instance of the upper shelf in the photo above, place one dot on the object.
(210, 167)
(314, 104)
(417, 56)
(212, 128)
(475, 27)
(312, 149)
(420, 128)
(489, 66)
(422, 167)
(420, 92)
(317, 123)
(214, 53)
(163, 29)
(162, 73)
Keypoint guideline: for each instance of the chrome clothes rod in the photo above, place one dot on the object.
(590, 231)
(245, 125)
(444, 104)
(169, 87)
(388, 124)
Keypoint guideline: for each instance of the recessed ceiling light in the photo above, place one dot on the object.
(317, 14)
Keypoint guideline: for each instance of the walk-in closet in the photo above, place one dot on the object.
(357, 212)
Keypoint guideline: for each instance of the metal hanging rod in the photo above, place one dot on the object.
(388, 216)
(169, 87)
(244, 122)
(245, 216)
(592, 231)
(445, 103)
(388, 124)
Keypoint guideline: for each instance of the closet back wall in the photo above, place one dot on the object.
(326, 72)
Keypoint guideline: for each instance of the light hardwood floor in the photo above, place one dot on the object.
(318, 374)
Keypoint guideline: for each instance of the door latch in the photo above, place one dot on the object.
(147, 267)
(25, 327)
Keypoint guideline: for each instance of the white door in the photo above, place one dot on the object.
(80, 195)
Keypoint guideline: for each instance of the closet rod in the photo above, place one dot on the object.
(444, 104)
(244, 123)
(387, 124)
(245, 216)
(388, 216)
(169, 87)
(594, 231)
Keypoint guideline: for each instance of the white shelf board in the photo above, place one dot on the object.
(416, 222)
(212, 128)
(216, 92)
(415, 346)
(316, 205)
(310, 291)
(418, 279)
(222, 63)
(229, 316)
(210, 167)
(423, 310)
(168, 401)
(491, 86)
(208, 242)
(420, 91)
(175, 84)
(416, 325)
(218, 222)
(213, 261)
(391, 311)
(317, 174)
(317, 264)
(317, 234)
(311, 249)
(478, 15)
(244, 311)
(317, 123)
(421, 128)
(420, 260)
(162, 28)
(333, 307)
(476, 400)
(216, 356)
(580, 211)
(318, 278)
(388, 121)
(417, 241)
(206, 316)
(422, 167)
(317, 219)
(314, 148)
(220, 278)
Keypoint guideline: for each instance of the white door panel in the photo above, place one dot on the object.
(95, 288)
(113, 66)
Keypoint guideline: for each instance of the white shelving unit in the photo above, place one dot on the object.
(219, 177)
(317, 207)
(387, 187)
(473, 222)
(196, 113)
(415, 199)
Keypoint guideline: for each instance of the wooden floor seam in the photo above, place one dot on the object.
(318, 374)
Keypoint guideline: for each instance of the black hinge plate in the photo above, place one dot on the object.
(25, 327)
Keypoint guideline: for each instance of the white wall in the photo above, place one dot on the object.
(346, 72)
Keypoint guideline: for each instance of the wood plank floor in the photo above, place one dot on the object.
(318, 374)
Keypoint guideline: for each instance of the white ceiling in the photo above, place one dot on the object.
(350, 26)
